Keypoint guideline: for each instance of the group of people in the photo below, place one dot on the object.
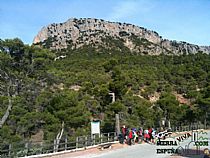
(150, 135)
(134, 135)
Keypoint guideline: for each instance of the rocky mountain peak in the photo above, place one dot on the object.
(76, 33)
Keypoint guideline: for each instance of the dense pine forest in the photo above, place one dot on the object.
(43, 90)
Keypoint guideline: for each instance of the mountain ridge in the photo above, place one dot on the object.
(75, 33)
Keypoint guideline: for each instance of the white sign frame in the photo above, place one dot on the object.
(95, 127)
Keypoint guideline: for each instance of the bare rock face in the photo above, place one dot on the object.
(76, 33)
(42, 35)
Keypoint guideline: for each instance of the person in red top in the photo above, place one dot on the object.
(123, 130)
(130, 136)
(150, 133)
(146, 135)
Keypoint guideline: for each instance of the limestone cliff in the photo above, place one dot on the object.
(76, 33)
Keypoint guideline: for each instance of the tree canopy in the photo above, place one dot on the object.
(75, 89)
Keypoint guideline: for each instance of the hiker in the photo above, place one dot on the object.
(135, 136)
(124, 132)
(140, 135)
(146, 135)
(153, 136)
(130, 137)
(150, 133)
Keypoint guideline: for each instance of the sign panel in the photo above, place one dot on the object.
(95, 127)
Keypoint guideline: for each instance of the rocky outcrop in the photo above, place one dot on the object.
(76, 33)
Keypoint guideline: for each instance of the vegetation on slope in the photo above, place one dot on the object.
(43, 94)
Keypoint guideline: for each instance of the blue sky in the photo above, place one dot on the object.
(182, 20)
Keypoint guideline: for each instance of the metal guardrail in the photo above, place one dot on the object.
(189, 127)
(23, 149)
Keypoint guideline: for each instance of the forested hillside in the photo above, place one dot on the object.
(41, 89)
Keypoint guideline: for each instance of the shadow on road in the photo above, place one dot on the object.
(190, 154)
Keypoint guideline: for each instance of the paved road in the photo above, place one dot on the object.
(137, 151)
(150, 151)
